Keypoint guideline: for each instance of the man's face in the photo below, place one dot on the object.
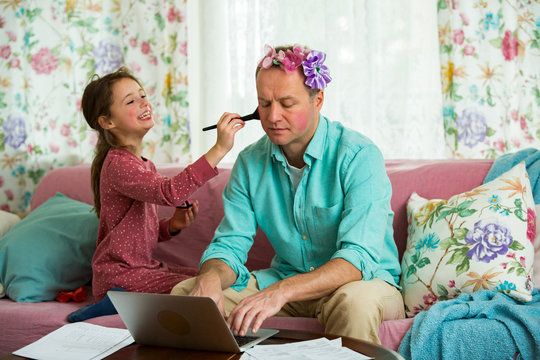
(288, 115)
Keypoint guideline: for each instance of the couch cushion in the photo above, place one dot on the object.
(481, 239)
(49, 251)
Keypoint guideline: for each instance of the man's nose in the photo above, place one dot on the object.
(275, 113)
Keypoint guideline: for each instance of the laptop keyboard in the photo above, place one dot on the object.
(243, 340)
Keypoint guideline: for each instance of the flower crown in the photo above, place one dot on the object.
(318, 75)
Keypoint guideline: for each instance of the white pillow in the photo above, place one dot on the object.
(480, 239)
(536, 261)
(7, 220)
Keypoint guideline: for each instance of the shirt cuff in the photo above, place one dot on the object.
(202, 168)
(242, 273)
(366, 267)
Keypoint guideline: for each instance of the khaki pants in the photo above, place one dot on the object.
(356, 309)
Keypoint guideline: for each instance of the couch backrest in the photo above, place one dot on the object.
(429, 178)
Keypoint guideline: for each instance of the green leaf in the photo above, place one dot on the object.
(467, 212)
(516, 245)
(441, 5)
(448, 242)
(496, 42)
(518, 202)
(458, 256)
(442, 290)
(463, 267)
(521, 272)
(465, 205)
(446, 48)
(445, 213)
(415, 258)
(519, 215)
(411, 270)
(160, 21)
(490, 98)
(490, 132)
(423, 262)
(460, 234)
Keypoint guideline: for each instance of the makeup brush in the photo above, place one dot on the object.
(252, 116)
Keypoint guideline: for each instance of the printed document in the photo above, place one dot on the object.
(318, 349)
(77, 341)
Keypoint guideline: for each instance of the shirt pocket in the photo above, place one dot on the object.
(324, 224)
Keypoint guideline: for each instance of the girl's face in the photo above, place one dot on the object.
(131, 113)
(289, 116)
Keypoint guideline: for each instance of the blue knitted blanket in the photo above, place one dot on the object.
(481, 325)
(505, 162)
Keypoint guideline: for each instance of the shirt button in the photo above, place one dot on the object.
(304, 237)
(311, 268)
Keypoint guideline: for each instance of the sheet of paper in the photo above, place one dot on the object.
(77, 341)
(317, 349)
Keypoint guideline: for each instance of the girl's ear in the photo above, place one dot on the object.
(105, 122)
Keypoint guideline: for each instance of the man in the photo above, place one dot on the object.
(321, 195)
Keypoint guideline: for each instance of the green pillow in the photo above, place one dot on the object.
(49, 251)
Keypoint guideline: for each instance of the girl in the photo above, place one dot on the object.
(127, 190)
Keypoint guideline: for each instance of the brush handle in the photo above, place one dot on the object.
(252, 116)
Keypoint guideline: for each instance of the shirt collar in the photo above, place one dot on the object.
(315, 148)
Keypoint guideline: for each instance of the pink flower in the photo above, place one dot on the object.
(509, 46)
(464, 18)
(511, 255)
(30, 148)
(531, 224)
(9, 194)
(52, 124)
(268, 59)
(153, 60)
(54, 148)
(65, 130)
(468, 50)
(522, 261)
(135, 66)
(4, 207)
(1, 181)
(429, 299)
(516, 143)
(451, 283)
(290, 60)
(522, 122)
(514, 114)
(43, 62)
(133, 42)
(504, 265)
(72, 143)
(5, 51)
(459, 37)
(2, 22)
(145, 47)
(498, 145)
(79, 101)
(11, 35)
(175, 15)
(14, 63)
(183, 48)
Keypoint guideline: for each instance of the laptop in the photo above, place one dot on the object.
(186, 322)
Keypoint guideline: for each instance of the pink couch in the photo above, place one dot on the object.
(23, 323)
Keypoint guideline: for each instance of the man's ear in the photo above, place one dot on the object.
(105, 122)
(319, 100)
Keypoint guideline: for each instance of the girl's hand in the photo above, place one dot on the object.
(227, 127)
(183, 218)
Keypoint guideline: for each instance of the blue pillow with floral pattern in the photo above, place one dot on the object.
(480, 239)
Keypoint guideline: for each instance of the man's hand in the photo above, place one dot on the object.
(256, 308)
(209, 286)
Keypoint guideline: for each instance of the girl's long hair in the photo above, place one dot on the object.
(96, 101)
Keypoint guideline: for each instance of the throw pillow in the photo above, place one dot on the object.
(7, 221)
(536, 262)
(49, 251)
(481, 239)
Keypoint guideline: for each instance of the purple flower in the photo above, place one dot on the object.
(490, 239)
(472, 127)
(109, 57)
(318, 75)
(15, 131)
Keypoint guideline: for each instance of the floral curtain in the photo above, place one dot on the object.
(48, 52)
(490, 66)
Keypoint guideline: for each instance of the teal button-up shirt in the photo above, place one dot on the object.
(341, 209)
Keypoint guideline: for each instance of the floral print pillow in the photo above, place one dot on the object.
(481, 239)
